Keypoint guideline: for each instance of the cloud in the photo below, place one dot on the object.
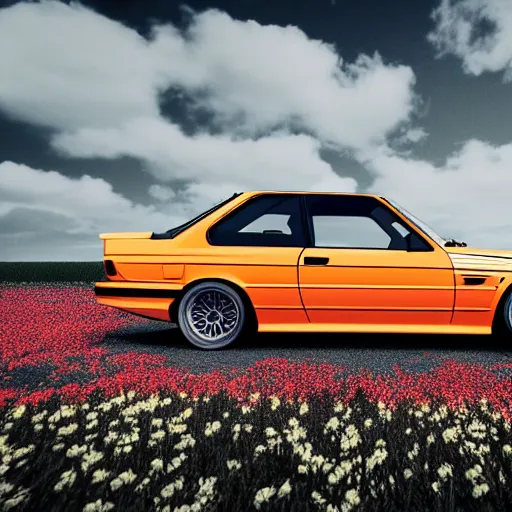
(256, 77)
(82, 70)
(58, 211)
(467, 198)
(73, 67)
(478, 32)
(276, 162)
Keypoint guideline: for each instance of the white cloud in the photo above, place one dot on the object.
(161, 192)
(467, 198)
(73, 208)
(276, 162)
(73, 67)
(82, 70)
(256, 77)
(479, 32)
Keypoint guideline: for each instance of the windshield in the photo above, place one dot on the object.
(418, 223)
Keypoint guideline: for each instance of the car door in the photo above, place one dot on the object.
(366, 265)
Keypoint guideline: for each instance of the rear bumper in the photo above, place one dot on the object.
(141, 299)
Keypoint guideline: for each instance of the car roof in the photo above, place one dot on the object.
(300, 192)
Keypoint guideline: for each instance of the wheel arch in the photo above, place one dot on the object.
(498, 303)
(250, 310)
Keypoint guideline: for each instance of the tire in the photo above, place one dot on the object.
(212, 315)
(503, 319)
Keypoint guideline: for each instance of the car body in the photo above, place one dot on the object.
(306, 262)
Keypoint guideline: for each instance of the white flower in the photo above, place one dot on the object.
(66, 431)
(157, 464)
(352, 497)
(5, 488)
(211, 428)
(66, 480)
(435, 486)
(376, 459)
(158, 435)
(67, 411)
(450, 435)
(317, 498)
(187, 413)
(474, 472)
(270, 432)
(99, 476)
(303, 408)
(259, 449)
(19, 412)
(275, 402)
(233, 464)
(368, 423)
(126, 477)
(21, 452)
(332, 424)
(430, 439)
(480, 490)
(284, 489)
(90, 459)
(98, 506)
(16, 500)
(91, 424)
(302, 469)
(263, 495)
(177, 429)
(76, 450)
(407, 473)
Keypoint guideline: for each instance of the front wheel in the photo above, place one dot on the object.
(211, 315)
(503, 320)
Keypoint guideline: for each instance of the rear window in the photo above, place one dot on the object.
(263, 221)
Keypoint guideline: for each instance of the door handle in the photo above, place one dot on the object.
(314, 260)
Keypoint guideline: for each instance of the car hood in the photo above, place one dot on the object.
(468, 258)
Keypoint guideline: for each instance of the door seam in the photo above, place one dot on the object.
(298, 284)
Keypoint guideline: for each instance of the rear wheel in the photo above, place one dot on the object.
(211, 315)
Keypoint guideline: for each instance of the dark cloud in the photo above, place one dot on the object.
(27, 221)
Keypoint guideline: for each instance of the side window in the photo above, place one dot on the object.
(264, 221)
(359, 222)
(349, 231)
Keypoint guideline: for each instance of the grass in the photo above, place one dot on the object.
(51, 271)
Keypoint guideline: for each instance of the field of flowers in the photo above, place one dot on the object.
(86, 428)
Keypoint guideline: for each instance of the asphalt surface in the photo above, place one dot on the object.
(377, 353)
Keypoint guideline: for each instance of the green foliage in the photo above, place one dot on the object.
(51, 271)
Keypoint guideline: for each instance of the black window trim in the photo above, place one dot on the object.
(311, 237)
(302, 206)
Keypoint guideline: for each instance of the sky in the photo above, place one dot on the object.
(137, 115)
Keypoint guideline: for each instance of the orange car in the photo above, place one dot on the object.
(300, 261)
